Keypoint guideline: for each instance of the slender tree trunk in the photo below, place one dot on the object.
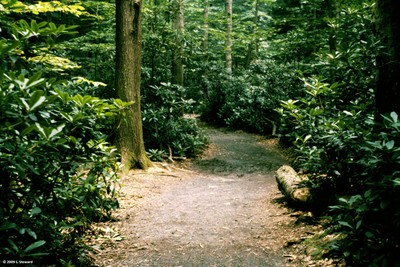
(177, 60)
(387, 94)
(128, 71)
(205, 39)
(154, 53)
(228, 41)
(252, 49)
(205, 49)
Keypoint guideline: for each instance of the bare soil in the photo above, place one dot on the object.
(221, 209)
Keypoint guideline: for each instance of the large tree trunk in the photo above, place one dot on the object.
(228, 40)
(177, 60)
(387, 94)
(128, 71)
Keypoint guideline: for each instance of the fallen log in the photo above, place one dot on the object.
(290, 184)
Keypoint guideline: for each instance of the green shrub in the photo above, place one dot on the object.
(368, 223)
(247, 101)
(349, 158)
(335, 111)
(94, 48)
(325, 137)
(164, 124)
(58, 172)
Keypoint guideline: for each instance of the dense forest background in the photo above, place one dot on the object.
(320, 74)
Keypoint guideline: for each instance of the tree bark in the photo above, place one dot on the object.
(206, 26)
(128, 72)
(387, 93)
(228, 41)
(289, 183)
(177, 60)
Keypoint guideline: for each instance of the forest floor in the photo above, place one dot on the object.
(220, 209)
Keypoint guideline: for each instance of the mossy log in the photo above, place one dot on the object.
(290, 184)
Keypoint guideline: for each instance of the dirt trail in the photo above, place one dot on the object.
(221, 209)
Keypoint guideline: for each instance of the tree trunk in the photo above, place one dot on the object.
(205, 85)
(128, 71)
(289, 183)
(387, 93)
(177, 60)
(228, 41)
(252, 49)
(205, 39)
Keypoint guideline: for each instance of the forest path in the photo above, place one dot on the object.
(221, 209)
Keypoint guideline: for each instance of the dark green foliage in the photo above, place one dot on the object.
(305, 66)
(164, 124)
(159, 42)
(299, 29)
(58, 172)
(94, 48)
(247, 101)
(323, 133)
(343, 149)
(331, 117)
(368, 223)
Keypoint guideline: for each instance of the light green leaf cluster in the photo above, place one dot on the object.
(42, 7)
(55, 62)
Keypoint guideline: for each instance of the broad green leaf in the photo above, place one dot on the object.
(7, 225)
(56, 131)
(343, 223)
(32, 116)
(24, 25)
(306, 138)
(394, 116)
(73, 139)
(26, 105)
(52, 26)
(34, 80)
(390, 144)
(13, 246)
(78, 99)
(36, 100)
(34, 26)
(60, 29)
(31, 233)
(369, 234)
(42, 131)
(66, 116)
(348, 113)
(36, 211)
(35, 245)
